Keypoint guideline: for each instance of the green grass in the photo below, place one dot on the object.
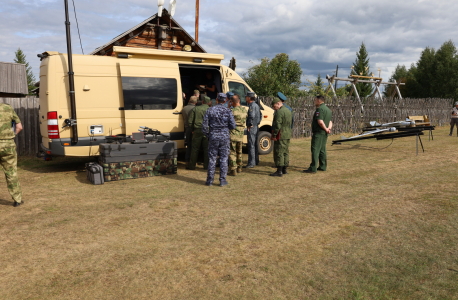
(381, 223)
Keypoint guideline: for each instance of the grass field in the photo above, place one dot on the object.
(381, 223)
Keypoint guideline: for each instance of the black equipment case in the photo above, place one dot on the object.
(112, 153)
(94, 173)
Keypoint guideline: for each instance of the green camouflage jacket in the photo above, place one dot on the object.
(240, 116)
(7, 115)
(282, 123)
(196, 116)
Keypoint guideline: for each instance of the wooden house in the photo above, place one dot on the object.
(13, 80)
(155, 33)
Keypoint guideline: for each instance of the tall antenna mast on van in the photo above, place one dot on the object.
(71, 82)
(197, 21)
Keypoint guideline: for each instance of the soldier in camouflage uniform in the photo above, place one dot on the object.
(281, 134)
(8, 155)
(199, 140)
(218, 121)
(235, 157)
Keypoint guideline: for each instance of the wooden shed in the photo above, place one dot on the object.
(13, 80)
(154, 33)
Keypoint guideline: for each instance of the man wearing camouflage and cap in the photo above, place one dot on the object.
(217, 123)
(321, 127)
(252, 122)
(281, 135)
(8, 155)
(235, 157)
(187, 130)
(454, 120)
(195, 119)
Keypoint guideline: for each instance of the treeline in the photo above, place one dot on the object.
(434, 75)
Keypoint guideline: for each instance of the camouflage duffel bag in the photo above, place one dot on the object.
(138, 169)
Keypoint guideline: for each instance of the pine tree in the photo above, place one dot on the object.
(319, 85)
(361, 67)
(21, 59)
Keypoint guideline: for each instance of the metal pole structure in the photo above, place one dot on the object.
(197, 21)
(71, 82)
(337, 70)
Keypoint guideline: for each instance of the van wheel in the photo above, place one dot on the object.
(265, 145)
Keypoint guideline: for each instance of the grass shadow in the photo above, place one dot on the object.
(7, 203)
(186, 179)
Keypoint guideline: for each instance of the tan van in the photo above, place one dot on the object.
(115, 95)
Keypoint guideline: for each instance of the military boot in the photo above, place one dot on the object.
(284, 170)
(278, 173)
(232, 173)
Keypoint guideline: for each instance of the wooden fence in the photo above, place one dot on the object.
(347, 115)
(29, 139)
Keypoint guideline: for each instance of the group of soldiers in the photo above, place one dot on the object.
(219, 131)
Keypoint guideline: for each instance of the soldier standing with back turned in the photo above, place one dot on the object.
(8, 155)
(281, 134)
(187, 130)
(237, 134)
(252, 123)
(321, 127)
(195, 119)
(218, 122)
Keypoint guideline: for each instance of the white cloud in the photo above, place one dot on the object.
(319, 34)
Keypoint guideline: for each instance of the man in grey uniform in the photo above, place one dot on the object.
(252, 123)
(454, 120)
(187, 130)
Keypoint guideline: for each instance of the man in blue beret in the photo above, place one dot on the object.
(283, 98)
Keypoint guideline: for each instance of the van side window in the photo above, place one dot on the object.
(141, 93)
(239, 88)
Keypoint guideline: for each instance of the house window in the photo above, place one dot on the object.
(142, 93)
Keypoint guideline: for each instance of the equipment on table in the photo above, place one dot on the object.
(375, 130)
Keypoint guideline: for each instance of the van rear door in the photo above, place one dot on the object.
(152, 97)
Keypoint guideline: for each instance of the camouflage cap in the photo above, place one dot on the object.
(196, 92)
(206, 100)
(230, 95)
(276, 100)
(222, 96)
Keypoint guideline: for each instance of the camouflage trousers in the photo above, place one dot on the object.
(8, 160)
(235, 157)
(217, 146)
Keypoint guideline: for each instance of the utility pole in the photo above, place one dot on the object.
(197, 21)
(71, 83)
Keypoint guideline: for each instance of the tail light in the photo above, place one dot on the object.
(53, 125)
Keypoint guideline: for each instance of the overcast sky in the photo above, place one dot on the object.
(319, 34)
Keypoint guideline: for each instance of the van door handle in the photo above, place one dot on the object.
(177, 113)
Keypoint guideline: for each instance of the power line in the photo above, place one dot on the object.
(77, 26)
